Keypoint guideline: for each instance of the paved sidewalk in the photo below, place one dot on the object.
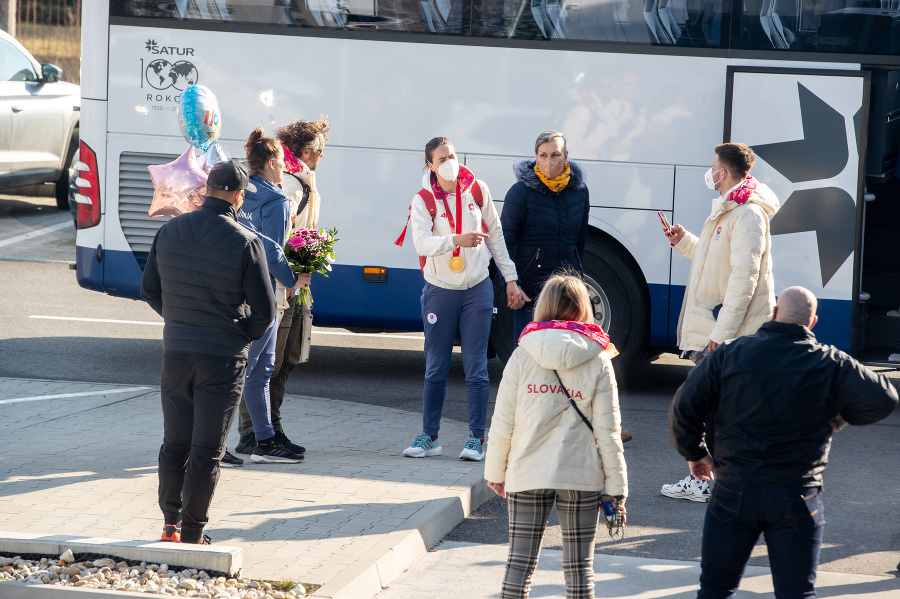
(80, 458)
(456, 570)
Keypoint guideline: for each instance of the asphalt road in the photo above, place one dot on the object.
(52, 329)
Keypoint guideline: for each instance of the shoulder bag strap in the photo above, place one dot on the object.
(572, 401)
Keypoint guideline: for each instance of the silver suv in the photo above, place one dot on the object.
(39, 116)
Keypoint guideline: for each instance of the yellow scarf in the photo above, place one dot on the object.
(557, 184)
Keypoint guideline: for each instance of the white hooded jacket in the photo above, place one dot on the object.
(437, 244)
(537, 439)
(731, 265)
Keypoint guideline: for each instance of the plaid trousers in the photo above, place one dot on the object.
(528, 515)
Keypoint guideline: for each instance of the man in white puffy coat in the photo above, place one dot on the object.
(730, 290)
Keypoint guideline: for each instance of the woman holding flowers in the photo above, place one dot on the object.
(267, 213)
(457, 244)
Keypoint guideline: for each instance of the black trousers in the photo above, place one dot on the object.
(200, 395)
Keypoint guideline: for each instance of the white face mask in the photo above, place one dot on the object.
(708, 177)
(449, 170)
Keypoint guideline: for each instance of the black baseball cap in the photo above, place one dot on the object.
(229, 176)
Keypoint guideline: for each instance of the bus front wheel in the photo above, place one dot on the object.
(617, 294)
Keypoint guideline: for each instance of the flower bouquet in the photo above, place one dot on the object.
(308, 250)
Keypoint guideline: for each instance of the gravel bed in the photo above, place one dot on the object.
(154, 579)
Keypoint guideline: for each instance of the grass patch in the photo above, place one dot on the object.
(285, 584)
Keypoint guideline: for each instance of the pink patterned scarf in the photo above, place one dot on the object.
(744, 190)
(292, 164)
(591, 331)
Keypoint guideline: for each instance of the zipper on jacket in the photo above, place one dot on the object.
(536, 257)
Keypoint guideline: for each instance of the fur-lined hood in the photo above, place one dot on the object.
(524, 170)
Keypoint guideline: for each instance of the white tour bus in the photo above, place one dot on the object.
(643, 89)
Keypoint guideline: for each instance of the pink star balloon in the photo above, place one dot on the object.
(179, 186)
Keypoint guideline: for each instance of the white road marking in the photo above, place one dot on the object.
(36, 233)
(75, 318)
(159, 324)
(81, 394)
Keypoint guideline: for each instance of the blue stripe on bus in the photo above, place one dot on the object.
(344, 300)
(833, 327)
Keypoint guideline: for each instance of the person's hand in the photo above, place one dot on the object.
(498, 488)
(703, 469)
(515, 297)
(622, 508)
(711, 346)
(837, 423)
(303, 279)
(470, 239)
(675, 234)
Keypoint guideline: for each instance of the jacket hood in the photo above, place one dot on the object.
(266, 192)
(524, 170)
(765, 198)
(555, 349)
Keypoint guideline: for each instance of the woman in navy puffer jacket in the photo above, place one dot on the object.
(545, 218)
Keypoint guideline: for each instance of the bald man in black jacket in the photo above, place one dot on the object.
(207, 276)
(775, 398)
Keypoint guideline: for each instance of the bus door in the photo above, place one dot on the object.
(808, 131)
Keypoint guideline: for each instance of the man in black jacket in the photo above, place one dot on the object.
(775, 397)
(207, 277)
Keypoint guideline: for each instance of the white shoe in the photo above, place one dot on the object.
(473, 450)
(688, 488)
(423, 447)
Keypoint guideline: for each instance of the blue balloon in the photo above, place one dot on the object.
(199, 117)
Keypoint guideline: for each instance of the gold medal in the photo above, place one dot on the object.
(457, 264)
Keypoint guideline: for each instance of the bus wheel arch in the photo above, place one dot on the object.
(620, 296)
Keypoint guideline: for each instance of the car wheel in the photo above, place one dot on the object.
(619, 299)
(62, 184)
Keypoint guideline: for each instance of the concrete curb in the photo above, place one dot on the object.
(391, 556)
(23, 590)
(212, 558)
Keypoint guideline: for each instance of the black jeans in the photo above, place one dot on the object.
(200, 395)
(792, 520)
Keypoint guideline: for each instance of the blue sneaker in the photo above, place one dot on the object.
(423, 447)
(473, 450)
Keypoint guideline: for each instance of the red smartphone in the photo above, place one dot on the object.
(662, 219)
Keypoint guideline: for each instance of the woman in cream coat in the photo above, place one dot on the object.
(541, 450)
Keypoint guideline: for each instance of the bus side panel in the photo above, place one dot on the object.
(693, 200)
(802, 126)
(638, 231)
(88, 270)
(345, 300)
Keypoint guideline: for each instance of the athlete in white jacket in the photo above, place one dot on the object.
(730, 290)
(458, 296)
(542, 450)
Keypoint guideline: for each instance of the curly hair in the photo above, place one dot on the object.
(260, 149)
(300, 134)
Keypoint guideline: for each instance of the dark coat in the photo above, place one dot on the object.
(772, 396)
(206, 275)
(544, 230)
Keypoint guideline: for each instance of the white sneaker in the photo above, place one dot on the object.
(473, 450)
(688, 488)
(423, 447)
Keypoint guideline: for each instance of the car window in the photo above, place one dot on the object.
(15, 66)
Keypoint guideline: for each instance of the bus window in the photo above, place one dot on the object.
(842, 26)
(694, 23)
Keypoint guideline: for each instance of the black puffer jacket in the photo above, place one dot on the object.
(544, 230)
(772, 396)
(206, 275)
